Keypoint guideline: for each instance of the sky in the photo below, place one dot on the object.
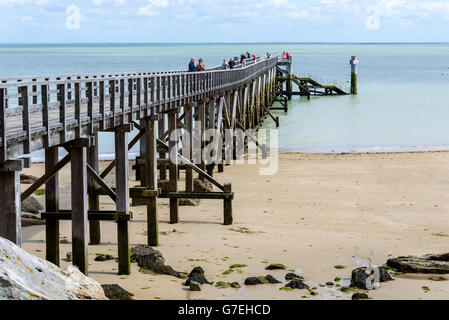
(231, 21)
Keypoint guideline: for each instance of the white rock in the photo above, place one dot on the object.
(26, 277)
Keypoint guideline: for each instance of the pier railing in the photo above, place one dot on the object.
(40, 112)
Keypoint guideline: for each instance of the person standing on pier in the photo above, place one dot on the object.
(201, 66)
(248, 55)
(242, 58)
(231, 64)
(225, 65)
(192, 67)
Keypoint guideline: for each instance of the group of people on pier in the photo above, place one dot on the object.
(197, 68)
(244, 57)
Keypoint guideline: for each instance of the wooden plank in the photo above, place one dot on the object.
(102, 105)
(122, 100)
(62, 112)
(112, 91)
(45, 115)
(130, 98)
(173, 167)
(92, 216)
(52, 204)
(77, 109)
(197, 195)
(26, 118)
(139, 92)
(79, 208)
(146, 96)
(90, 106)
(121, 176)
(34, 91)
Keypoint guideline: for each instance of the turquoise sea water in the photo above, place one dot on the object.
(403, 100)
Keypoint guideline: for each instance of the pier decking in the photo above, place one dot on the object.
(48, 113)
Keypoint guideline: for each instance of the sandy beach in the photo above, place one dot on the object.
(317, 212)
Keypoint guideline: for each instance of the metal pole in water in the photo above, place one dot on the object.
(354, 63)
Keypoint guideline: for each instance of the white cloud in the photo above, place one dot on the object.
(147, 11)
(159, 3)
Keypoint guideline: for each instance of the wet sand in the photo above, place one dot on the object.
(317, 212)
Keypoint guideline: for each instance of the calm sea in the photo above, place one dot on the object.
(403, 100)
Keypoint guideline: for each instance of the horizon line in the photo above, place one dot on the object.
(205, 43)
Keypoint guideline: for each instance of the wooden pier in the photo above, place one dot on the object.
(53, 112)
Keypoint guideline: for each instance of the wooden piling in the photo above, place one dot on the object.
(227, 206)
(94, 200)
(122, 204)
(140, 168)
(354, 63)
(173, 167)
(151, 178)
(201, 118)
(162, 155)
(188, 142)
(10, 204)
(79, 205)
(52, 205)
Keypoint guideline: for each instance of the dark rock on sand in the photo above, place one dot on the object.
(292, 276)
(152, 260)
(276, 266)
(427, 264)
(32, 205)
(272, 279)
(104, 257)
(29, 220)
(196, 270)
(196, 275)
(27, 179)
(297, 284)
(363, 278)
(115, 292)
(252, 281)
(194, 286)
(202, 186)
(189, 202)
(360, 296)
(225, 285)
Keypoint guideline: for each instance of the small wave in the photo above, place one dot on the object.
(370, 149)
